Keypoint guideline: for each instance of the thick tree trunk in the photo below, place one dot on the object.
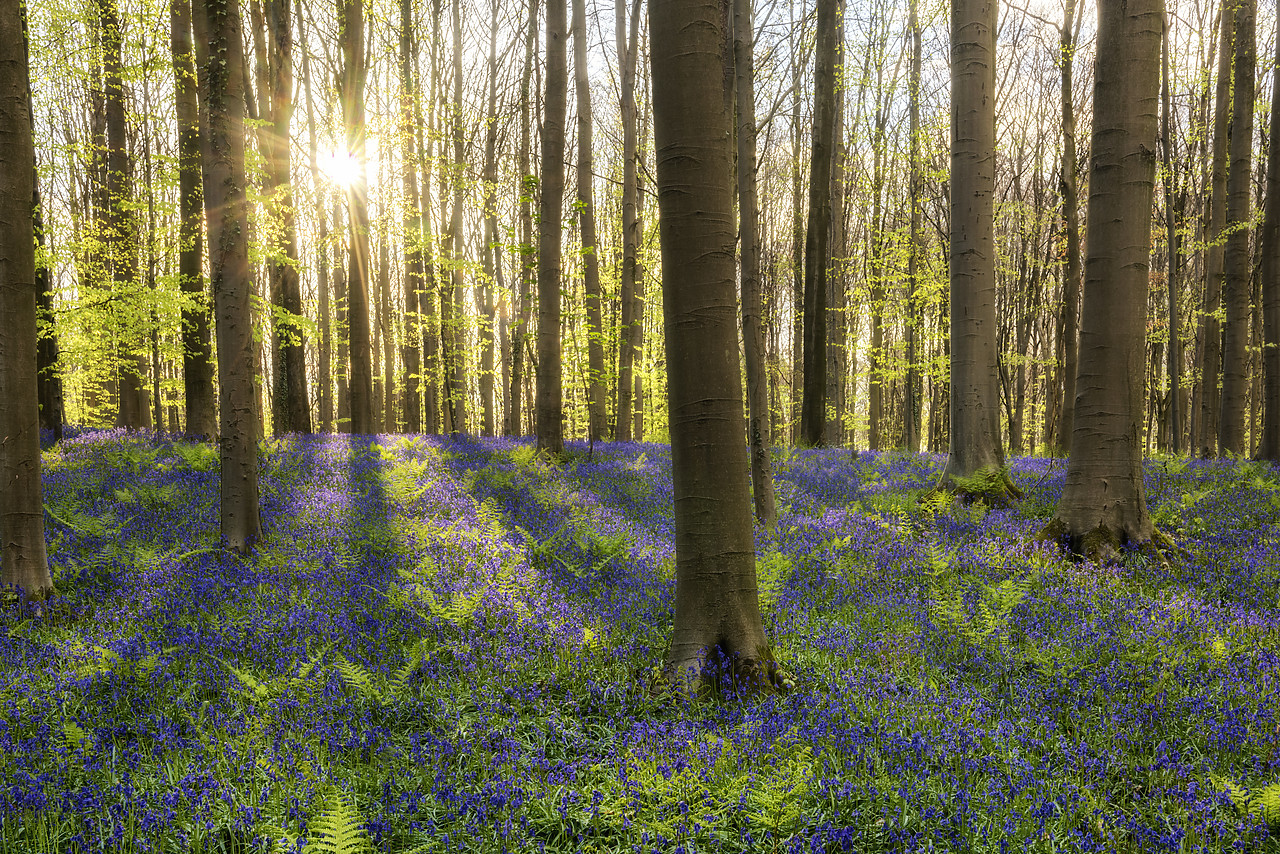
(597, 417)
(1269, 246)
(1237, 265)
(291, 411)
(1210, 328)
(975, 430)
(23, 560)
(550, 408)
(817, 246)
(197, 364)
(626, 43)
(352, 38)
(528, 252)
(1103, 505)
(717, 616)
(758, 438)
(226, 211)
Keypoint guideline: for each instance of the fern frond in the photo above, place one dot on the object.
(340, 830)
(1265, 803)
(356, 677)
(254, 688)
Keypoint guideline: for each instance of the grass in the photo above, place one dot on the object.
(447, 646)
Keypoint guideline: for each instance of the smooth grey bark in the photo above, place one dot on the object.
(758, 438)
(817, 247)
(975, 448)
(528, 271)
(1103, 504)
(1238, 261)
(411, 222)
(453, 332)
(550, 412)
(626, 39)
(717, 615)
(1173, 353)
(1069, 188)
(912, 388)
(1269, 246)
(226, 212)
(23, 560)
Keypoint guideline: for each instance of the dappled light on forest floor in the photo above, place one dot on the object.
(451, 646)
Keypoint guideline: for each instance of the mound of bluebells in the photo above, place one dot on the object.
(453, 645)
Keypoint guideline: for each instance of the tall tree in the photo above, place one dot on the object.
(550, 395)
(1269, 247)
(222, 76)
(1173, 353)
(626, 40)
(1237, 265)
(758, 438)
(597, 423)
(23, 560)
(1210, 327)
(817, 246)
(411, 352)
(197, 363)
(528, 270)
(1069, 189)
(354, 73)
(122, 246)
(291, 410)
(491, 256)
(717, 615)
(453, 330)
(975, 429)
(1103, 504)
(911, 403)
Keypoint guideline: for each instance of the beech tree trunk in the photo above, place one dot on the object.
(717, 616)
(817, 246)
(352, 38)
(23, 560)
(454, 331)
(226, 211)
(1173, 353)
(626, 41)
(758, 438)
(1210, 328)
(975, 427)
(411, 352)
(912, 395)
(550, 395)
(1269, 246)
(491, 257)
(1071, 225)
(1103, 505)
(528, 261)
(1237, 265)
(197, 364)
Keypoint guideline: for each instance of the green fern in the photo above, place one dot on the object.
(994, 609)
(339, 830)
(1263, 803)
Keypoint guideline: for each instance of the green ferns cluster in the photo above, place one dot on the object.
(988, 624)
(1263, 803)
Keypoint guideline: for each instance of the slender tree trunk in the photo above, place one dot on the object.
(597, 417)
(975, 429)
(836, 296)
(341, 326)
(758, 438)
(226, 211)
(411, 352)
(717, 616)
(627, 47)
(490, 257)
(1237, 265)
(875, 252)
(352, 38)
(197, 365)
(324, 368)
(432, 327)
(1210, 328)
(1174, 351)
(23, 559)
(550, 407)
(638, 311)
(1269, 241)
(1103, 505)
(911, 408)
(1071, 224)
(528, 252)
(817, 247)
(455, 364)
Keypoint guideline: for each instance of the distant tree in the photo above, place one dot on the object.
(817, 247)
(758, 436)
(1238, 263)
(528, 269)
(453, 319)
(550, 395)
(626, 41)
(976, 449)
(1103, 505)
(1070, 191)
(197, 363)
(354, 76)
(1269, 247)
(414, 273)
(597, 424)
(222, 77)
(23, 561)
(717, 615)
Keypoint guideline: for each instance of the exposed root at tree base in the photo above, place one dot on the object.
(720, 675)
(1105, 544)
(1000, 491)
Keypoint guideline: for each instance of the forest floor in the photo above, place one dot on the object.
(450, 646)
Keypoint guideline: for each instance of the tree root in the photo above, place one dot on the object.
(718, 675)
(992, 487)
(1108, 545)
